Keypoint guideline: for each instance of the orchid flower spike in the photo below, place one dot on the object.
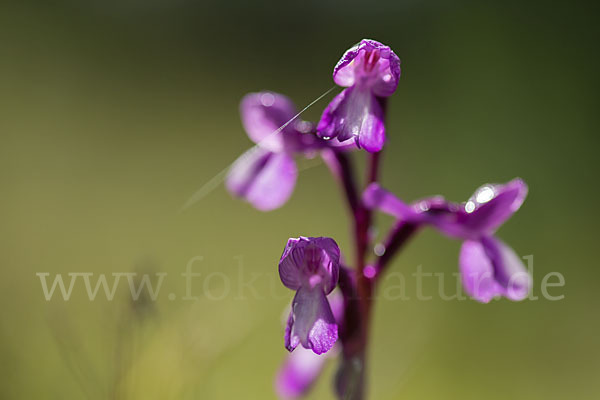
(310, 266)
(489, 268)
(370, 72)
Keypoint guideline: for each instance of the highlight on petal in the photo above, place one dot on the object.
(509, 270)
(477, 272)
(312, 323)
(356, 114)
(263, 178)
(336, 303)
(371, 64)
(491, 205)
(298, 373)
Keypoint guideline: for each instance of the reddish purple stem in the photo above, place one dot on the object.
(356, 287)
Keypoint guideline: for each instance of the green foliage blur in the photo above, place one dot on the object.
(114, 112)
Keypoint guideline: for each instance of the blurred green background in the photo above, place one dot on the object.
(114, 112)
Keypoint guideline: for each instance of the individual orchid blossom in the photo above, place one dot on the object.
(370, 72)
(266, 174)
(310, 266)
(489, 268)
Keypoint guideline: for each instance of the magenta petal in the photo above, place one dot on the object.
(477, 272)
(275, 184)
(263, 114)
(369, 63)
(245, 170)
(372, 133)
(264, 179)
(298, 373)
(336, 302)
(491, 205)
(375, 197)
(509, 270)
(356, 114)
(310, 262)
(289, 271)
(313, 323)
(327, 127)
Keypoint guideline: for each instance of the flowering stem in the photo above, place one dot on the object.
(362, 226)
(351, 321)
(341, 167)
(357, 289)
(374, 162)
(356, 286)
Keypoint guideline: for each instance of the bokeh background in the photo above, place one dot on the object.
(114, 112)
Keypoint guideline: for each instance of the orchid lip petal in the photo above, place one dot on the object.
(477, 272)
(509, 270)
(312, 322)
(489, 268)
(263, 178)
(302, 367)
(356, 114)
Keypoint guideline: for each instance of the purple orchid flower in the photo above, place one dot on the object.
(370, 72)
(265, 175)
(310, 266)
(302, 367)
(489, 267)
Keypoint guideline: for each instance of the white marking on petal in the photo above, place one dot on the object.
(484, 195)
(267, 99)
(470, 207)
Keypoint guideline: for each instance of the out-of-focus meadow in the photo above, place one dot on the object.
(113, 113)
